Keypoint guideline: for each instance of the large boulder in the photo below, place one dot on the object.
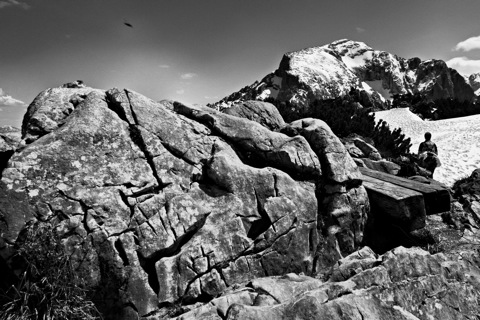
(262, 112)
(170, 205)
(50, 109)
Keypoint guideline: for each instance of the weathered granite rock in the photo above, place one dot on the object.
(262, 112)
(341, 184)
(258, 144)
(369, 150)
(173, 206)
(328, 148)
(50, 108)
(401, 284)
(378, 165)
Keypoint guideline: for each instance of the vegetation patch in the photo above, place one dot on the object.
(49, 288)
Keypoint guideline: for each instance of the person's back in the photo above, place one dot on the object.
(428, 146)
(428, 154)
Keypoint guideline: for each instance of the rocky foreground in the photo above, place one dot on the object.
(173, 210)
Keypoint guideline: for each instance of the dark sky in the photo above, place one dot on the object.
(201, 50)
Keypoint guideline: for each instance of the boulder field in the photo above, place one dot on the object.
(176, 210)
(166, 203)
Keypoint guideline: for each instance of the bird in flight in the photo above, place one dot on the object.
(128, 24)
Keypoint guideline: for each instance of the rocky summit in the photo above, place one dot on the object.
(330, 71)
(174, 210)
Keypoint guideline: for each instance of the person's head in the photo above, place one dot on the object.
(428, 136)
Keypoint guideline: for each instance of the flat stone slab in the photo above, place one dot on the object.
(405, 207)
(436, 197)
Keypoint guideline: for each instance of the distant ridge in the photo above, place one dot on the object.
(331, 70)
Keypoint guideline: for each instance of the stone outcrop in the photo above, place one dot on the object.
(401, 284)
(330, 71)
(468, 192)
(366, 155)
(169, 205)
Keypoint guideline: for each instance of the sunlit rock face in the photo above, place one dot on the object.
(330, 71)
(171, 204)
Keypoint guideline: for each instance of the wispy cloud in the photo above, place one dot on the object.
(8, 3)
(468, 45)
(181, 91)
(10, 101)
(188, 76)
(7, 100)
(164, 66)
(464, 65)
(360, 30)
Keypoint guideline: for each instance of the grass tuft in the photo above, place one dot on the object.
(49, 288)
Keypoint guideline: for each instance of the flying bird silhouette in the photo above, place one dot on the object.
(127, 24)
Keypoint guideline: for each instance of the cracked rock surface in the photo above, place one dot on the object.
(172, 205)
(401, 284)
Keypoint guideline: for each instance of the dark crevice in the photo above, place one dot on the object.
(83, 205)
(222, 276)
(311, 240)
(360, 312)
(275, 184)
(202, 298)
(261, 225)
(175, 248)
(125, 201)
(117, 234)
(134, 115)
(151, 272)
(121, 252)
(137, 138)
(221, 315)
(127, 185)
(4, 157)
(263, 267)
(116, 107)
(131, 305)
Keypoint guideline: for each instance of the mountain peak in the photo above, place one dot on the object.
(332, 70)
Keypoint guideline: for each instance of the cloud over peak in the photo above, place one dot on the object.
(472, 43)
(464, 65)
